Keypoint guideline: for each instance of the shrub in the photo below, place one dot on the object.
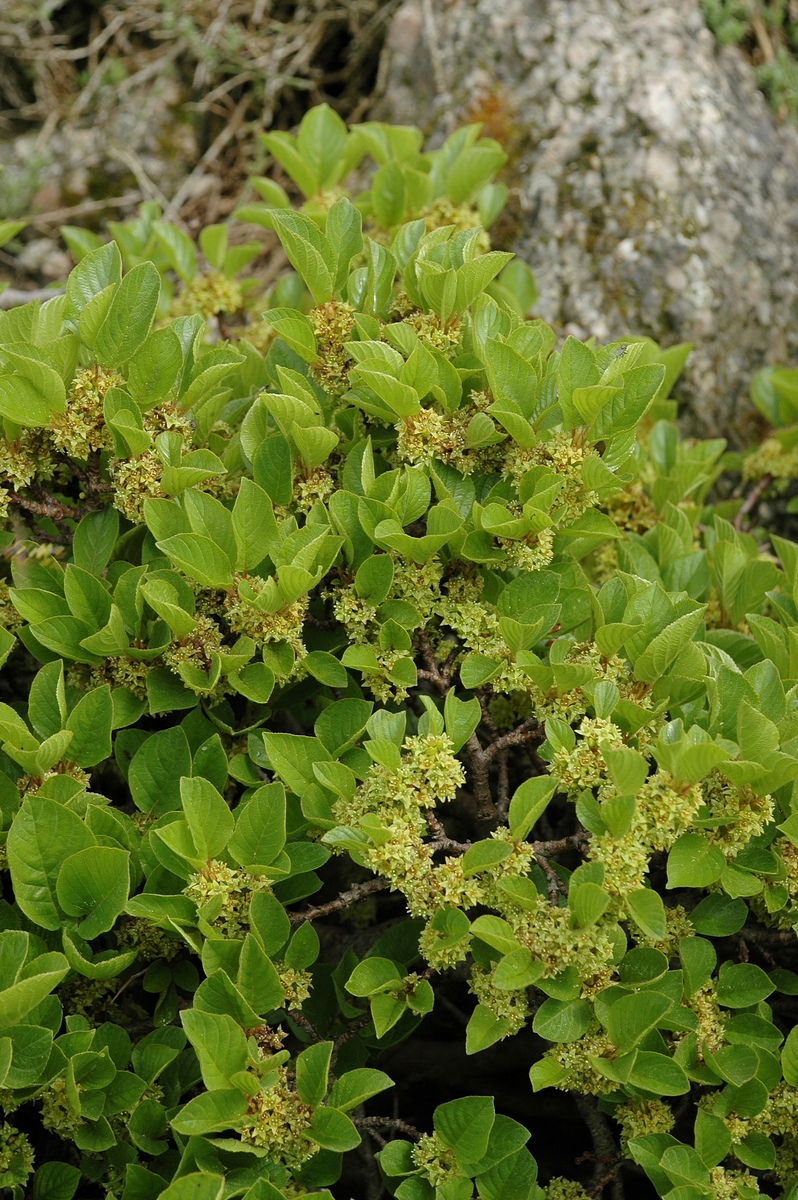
(385, 602)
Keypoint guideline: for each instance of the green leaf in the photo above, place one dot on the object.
(462, 718)
(220, 1045)
(178, 248)
(344, 233)
(55, 1181)
(156, 770)
(666, 647)
(464, 1126)
(719, 916)
(258, 981)
(94, 540)
(211, 1112)
(296, 331)
(130, 315)
(200, 558)
(646, 909)
(496, 932)
(355, 1087)
(259, 835)
(587, 903)
(693, 862)
(373, 975)
(154, 368)
(631, 1017)
(789, 1058)
(333, 1130)
(658, 1074)
(562, 1020)
(698, 959)
(528, 804)
(712, 1138)
(322, 141)
(312, 1073)
(326, 668)
(93, 884)
(24, 403)
(42, 835)
(293, 756)
(23, 996)
(308, 251)
(756, 1150)
(484, 855)
(90, 723)
(209, 819)
(742, 984)
(472, 169)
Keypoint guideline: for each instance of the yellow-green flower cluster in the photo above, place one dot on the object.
(561, 1188)
(430, 435)
(505, 1004)
(196, 647)
(234, 887)
(117, 672)
(443, 211)
(151, 942)
(285, 625)
(137, 478)
(295, 984)
(81, 427)
(663, 811)
(281, 1123)
(57, 1111)
(16, 1154)
(641, 1117)
(711, 1025)
(428, 772)
(744, 813)
(317, 484)
(733, 1185)
(208, 295)
(530, 553)
(563, 453)
(547, 932)
(770, 458)
(574, 1058)
(435, 1161)
(332, 323)
(584, 766)
(779, 1119)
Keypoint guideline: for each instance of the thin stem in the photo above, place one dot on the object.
(751, 500)
(47, 506)
(605, 1149)
(529, 731)
(441, 839)
(350, 896)
(480, 765)
(393, 1123)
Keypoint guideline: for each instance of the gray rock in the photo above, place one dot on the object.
(655, 193)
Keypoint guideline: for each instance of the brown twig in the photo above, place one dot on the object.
(554, 885)
(763, 38)
(305, 1025)
(605, 1149)
(47, 507)
(441, 840)
(350, 896)
(371, 1124)
(58, 215)
(528, 731)
(480, 766)
(751, 500)
(545, 851)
